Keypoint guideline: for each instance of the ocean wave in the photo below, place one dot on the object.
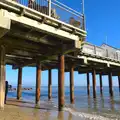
(87, 116)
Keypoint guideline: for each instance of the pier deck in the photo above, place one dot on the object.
(27, 32)
(32, 35)
(103, 58)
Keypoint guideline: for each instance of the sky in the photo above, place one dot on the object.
(102, 21)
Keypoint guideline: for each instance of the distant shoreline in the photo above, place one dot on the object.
(14, 89)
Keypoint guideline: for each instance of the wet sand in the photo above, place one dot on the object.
(25, 110)
(21, 110)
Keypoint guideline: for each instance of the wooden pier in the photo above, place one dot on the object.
(31, 38)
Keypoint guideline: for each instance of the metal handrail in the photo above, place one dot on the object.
(67, 10)
(52, 8)
(68, 7)
(105, 53)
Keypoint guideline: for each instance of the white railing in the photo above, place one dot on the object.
(113, 54)
(57, 10)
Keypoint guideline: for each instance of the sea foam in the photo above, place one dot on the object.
(87, 116)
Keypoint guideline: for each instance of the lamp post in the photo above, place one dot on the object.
(49, 6)
(83, 12)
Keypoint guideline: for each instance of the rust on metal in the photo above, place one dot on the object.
(88, 84)
(72, 85)
(61, 83)
(49, 84)
(94, 83)
(38, 82)
(19, 86)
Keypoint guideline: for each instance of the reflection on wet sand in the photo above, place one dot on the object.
(65, 116)
(102, 101)
(61, 115)
(89, 102)
(98, 103)
(112, 103)
(70, 117)
(95, 103)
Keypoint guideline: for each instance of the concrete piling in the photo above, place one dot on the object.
(72, 85)
(101, 86)
(119, 83)
(38, 82)
(88, 84)
(49, 84)
(110, 84)
(94, 83)
(2, 76)
(61, 83)
(19, 86)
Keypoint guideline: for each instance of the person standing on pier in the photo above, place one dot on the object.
(6, 90)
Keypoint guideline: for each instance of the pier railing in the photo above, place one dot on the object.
(57, 10)
(100, 51)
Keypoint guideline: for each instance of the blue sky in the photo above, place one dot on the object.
(102, 19)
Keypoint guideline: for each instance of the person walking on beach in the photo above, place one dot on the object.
(6, 90)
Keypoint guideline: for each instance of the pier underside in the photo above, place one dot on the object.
(29, 38)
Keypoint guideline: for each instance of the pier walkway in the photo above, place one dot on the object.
(104, 58)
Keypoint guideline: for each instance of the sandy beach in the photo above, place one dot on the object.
(21, 110)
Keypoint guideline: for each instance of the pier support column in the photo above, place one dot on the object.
(49, 84)
(88, 84)
(110, 84)
(61, 83)
(2, 76)
(19, 86)
(119, 83)
(72, 85)
(38, 82)
(94, 83)
(101, 86)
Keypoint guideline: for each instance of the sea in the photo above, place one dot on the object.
(86, 107)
